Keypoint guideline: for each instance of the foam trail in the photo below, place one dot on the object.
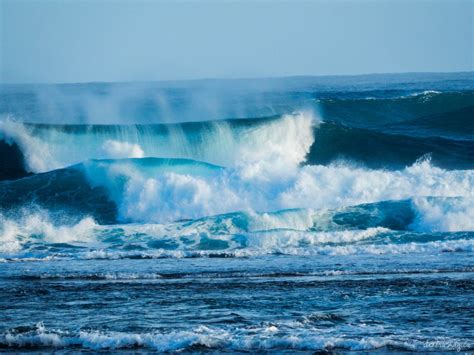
(345, 185)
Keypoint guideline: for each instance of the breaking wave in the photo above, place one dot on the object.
(164, 190)
(226, 143)
(407, 226)
(267, 337)
(290, 139)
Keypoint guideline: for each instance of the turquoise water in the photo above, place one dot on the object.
(299, 214)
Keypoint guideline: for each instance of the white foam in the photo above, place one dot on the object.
(37, 153)
(14, 232)
(116, 149)
(340, 185)
(444, 214)
(273, 247)
(286, 240)
(277, 147)
(425, 93)
(169, 196)
(238, 235)
(264, 337)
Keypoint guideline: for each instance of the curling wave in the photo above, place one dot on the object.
(226, 143)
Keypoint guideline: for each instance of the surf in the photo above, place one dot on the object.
(387, 227)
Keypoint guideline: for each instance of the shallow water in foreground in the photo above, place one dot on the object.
(353, 302)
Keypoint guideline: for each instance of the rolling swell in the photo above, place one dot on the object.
(392, 132)
(333, 142)
(381, 148)
(368, 109)
(66, 193)
(453, 124)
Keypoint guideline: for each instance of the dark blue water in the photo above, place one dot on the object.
(297, 214)
(383, 302)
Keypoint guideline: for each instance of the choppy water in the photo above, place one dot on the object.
(298, 214)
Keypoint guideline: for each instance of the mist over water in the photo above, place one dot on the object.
(316, 189)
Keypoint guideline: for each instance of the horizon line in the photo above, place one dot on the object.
(299, 76)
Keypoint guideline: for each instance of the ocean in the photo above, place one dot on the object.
(296, 214)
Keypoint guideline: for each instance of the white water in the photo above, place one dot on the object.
(166, 195)
(241, 234)
(280, 335)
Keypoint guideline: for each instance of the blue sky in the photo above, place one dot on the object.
(83, 41)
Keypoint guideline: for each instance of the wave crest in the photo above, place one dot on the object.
(285, 140)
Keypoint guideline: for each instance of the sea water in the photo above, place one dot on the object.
(296, 214)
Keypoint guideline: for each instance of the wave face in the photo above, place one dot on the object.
(348, 204)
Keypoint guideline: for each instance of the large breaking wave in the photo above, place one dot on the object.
(289, 139)
(218, 180)
(226, 143)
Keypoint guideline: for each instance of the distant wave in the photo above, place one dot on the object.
(390, 148)
(454, 124)
(364, 110)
